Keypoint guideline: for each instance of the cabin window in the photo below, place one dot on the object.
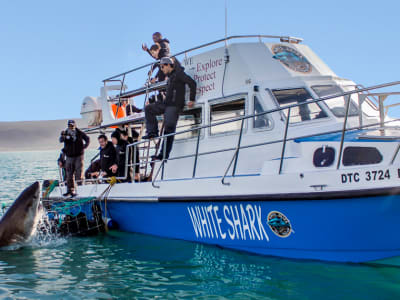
(262, 121)
(226, 111)
(354, 156)
(302, 112)
(337, 104)
(189, 119)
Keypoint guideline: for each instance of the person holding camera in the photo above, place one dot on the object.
(75, 142)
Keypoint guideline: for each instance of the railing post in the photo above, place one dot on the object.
(119, 97)
(238, 148)
(284, 141)
(197, 154)
(164, 145)
(382, 109)
(361, 99)
(343, 132)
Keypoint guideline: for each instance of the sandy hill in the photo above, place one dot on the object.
(34, 135)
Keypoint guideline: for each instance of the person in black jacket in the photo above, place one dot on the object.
(108, 157)
(75, 142)
(120, 147)
(164, 44)
(171, 107)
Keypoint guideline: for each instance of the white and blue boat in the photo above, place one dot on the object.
(279, 156)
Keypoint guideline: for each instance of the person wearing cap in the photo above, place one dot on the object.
(172, 105)
(75, 142)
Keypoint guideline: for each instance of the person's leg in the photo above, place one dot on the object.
(69, 168)
(79, 168)
(170, 120)
(151, 113)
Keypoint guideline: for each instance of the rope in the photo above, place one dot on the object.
(66, 207)
(50, 188)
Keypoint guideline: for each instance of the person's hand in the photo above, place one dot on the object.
(153, 80)
(60, 164)
(103, 174)
(94, 174)
(114, 168)
(144, 47)
(190, 104)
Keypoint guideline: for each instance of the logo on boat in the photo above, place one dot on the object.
(291, 58)
(279, 224)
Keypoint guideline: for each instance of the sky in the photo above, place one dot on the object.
(54, 53)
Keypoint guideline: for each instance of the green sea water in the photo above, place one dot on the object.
(133, 266)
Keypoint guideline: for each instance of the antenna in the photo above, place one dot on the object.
(226, 23)
(226, 33)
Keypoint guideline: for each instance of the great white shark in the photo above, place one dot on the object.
(19, 222)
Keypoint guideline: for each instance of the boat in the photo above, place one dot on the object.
(279, 157)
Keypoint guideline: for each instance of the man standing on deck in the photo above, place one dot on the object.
(172, 105)
(75, 142)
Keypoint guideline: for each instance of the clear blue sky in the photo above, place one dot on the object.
(54, 53)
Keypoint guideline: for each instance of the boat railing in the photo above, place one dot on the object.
(362, 93)
(284, 140)
(288, 39)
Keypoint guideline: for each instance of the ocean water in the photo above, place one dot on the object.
(133, 266)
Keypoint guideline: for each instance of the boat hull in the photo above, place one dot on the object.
(356, 229)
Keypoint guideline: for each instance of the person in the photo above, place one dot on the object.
(164, 44)
(108, 157)
(172, 105)
(121, 151)
(130, 140)
(61, 164)
(75, 142)
(93, 170)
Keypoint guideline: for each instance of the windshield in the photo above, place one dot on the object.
(337, 104)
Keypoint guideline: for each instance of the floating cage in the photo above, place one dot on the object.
(80, 217)
(73, 217)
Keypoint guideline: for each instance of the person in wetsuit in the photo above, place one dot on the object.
(121, 151)
(108, 157)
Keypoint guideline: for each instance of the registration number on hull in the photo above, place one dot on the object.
(375, 175)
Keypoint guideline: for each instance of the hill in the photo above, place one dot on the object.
(34, 135)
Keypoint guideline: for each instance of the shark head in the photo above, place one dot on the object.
(20, 220)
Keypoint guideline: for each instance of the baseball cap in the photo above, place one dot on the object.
(166, 61)
(71, 122)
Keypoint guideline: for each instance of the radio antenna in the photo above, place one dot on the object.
(226, 23)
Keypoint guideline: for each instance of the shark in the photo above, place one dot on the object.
(19, 222)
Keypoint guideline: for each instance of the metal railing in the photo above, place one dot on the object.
(362, 93)
(223, 40)
(284, 140)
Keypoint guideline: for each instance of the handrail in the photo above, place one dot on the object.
(283, 38)
(242, 118)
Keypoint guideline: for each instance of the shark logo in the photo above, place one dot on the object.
(291, 58)
(279, 224)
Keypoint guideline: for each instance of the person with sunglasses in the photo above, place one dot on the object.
(172, 105)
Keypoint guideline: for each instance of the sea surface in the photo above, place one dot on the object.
(133, 266)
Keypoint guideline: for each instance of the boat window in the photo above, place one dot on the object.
(226, 111)
(304, 112)
(188, 119)
(354, 156)
(337, 104)
(260, 121)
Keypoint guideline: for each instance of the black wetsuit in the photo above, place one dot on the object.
(108, 157)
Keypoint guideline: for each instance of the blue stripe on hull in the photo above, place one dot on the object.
(343, 230)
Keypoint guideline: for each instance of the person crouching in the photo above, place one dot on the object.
(108, 157)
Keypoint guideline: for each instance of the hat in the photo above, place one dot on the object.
(71, 122)
(166, 61)
(116, 134)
